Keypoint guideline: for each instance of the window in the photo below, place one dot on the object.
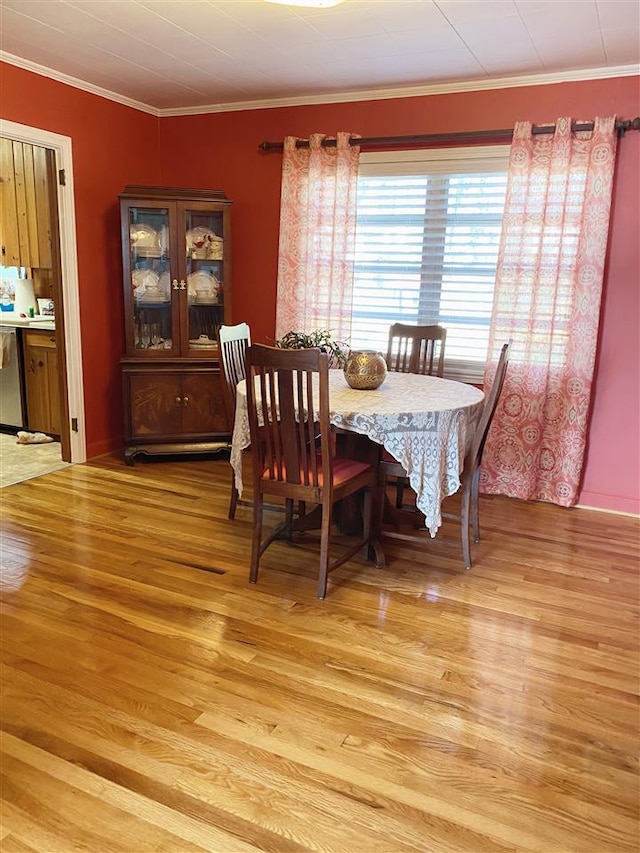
(427, 237)
(12, 272)
(8, 279)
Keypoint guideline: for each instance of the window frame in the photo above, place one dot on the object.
(444, 161)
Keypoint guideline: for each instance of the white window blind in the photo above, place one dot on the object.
(427, 237)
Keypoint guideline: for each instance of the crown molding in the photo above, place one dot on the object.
(415, 91)
(335, 98)
(59, 77)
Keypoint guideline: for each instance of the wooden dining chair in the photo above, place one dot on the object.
(292, 452)
(470, 476)
(416, 349)
(233, 342)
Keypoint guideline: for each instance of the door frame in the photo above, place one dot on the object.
(61, 146)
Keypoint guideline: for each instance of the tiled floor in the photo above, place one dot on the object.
(20, 462)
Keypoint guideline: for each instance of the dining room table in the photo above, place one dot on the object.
(426, 423)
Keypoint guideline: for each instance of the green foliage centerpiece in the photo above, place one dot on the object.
(322, 338)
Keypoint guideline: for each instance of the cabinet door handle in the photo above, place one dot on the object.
(185, 401)
(174, 284)
(183, 285)
(41, 364)
(178, 401)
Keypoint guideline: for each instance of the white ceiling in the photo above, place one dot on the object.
(177, 56)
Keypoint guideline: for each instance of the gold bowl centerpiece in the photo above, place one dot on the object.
(365, 369)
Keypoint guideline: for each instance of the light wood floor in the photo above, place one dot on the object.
(152, 700)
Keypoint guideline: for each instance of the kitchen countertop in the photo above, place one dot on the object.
(38, 322)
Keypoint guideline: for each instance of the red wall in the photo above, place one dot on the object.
(114, 145)
(612, 472)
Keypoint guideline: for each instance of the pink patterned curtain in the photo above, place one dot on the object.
(547, 300)
(317, 236)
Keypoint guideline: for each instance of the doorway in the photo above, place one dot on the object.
(59, 154)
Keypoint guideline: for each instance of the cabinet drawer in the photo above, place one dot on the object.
(40, 339)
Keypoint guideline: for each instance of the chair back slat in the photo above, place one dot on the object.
(305, 438)
(264, 402)
(286, 426)
(235, 361)
(416, 349)
(233, 342)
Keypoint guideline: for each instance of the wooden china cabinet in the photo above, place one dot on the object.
(177, 293)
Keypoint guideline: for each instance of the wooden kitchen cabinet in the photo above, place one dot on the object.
(177, 293)
(42, 382)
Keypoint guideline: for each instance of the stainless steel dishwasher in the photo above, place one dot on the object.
(11, 413)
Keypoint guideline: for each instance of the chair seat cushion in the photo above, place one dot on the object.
(343, 470)
(346, 469)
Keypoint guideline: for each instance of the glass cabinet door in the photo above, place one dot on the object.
(204, 265)
(151, 280)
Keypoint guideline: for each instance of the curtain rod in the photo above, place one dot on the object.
(622, 126)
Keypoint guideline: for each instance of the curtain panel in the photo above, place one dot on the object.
(547, 300)
(317, 236)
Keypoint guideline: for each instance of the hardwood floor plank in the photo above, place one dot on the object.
(64, 809)
(11, 844)
(152, 699)
(111, 800)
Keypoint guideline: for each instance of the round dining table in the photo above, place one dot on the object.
(424, 422)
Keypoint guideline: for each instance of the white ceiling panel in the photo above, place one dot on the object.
(218, 33)
(344, 24)
(198, 54)
(513, 62)
(620, 13)
(225, 33)
(590, 50)
(621, 43)
(439, 65)
(468, 11)
(253, 14)
(399, 16)
(438, 38)
(436, 65)
(504, 45)
(565, 16)
(553, 56)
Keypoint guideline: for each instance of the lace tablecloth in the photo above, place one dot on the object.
(426, 423)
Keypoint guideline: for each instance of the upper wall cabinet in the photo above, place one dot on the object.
(26, 175)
